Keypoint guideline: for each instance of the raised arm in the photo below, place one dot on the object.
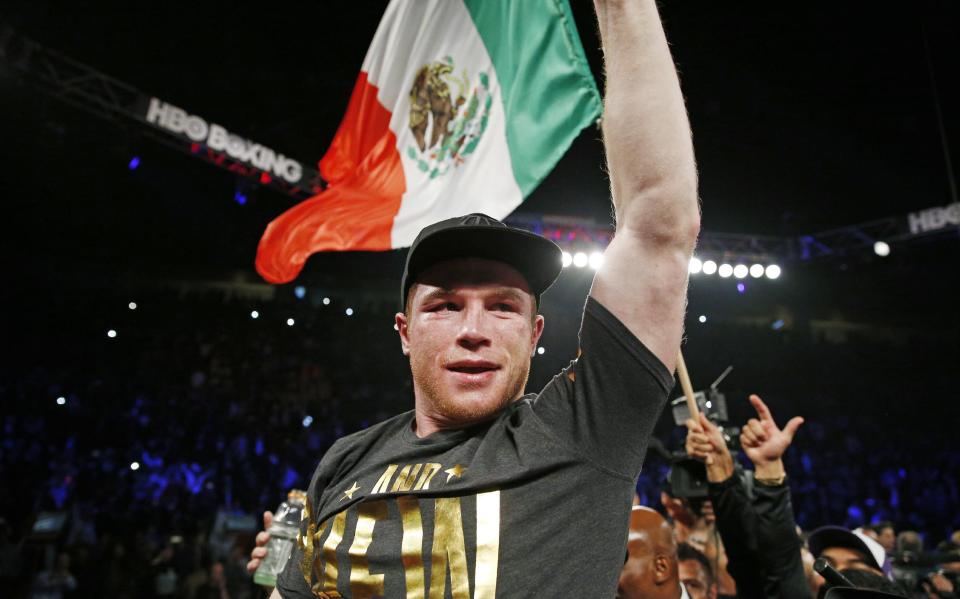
(653, 179)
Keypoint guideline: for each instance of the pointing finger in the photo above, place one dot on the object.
(762, 410)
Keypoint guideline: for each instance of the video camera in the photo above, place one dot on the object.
(713, 404)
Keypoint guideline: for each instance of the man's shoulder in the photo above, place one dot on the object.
(380, 432)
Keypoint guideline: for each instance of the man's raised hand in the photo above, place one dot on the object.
(705, 442)
(762, 440)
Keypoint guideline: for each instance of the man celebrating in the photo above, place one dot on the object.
(481, 491)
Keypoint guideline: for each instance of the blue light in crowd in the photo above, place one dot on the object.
(777, 324)
(307, 420)
(240, 197)
(134, 163)
(300, 291)
(741, 288)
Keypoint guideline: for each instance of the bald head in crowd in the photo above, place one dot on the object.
(651, 568)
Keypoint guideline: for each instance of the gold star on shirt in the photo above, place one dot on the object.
(348, 494)
(457, 471)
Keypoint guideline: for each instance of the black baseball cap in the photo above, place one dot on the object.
(477, 235)
(837, 536)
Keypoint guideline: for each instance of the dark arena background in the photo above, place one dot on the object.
(156, 396)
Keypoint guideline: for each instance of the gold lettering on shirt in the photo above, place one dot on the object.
(429, 471)
(384, 481)
(411, 551)
(449, 551)
(406, 478)
(307, 540)
(363, 584)
(488, 545)
(328, 582)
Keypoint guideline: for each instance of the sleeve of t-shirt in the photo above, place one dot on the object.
(607, 401)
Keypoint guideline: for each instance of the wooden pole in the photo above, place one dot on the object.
(687, 388)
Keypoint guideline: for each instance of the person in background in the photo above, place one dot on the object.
(651, 570)
(696, 574)
(758, 529)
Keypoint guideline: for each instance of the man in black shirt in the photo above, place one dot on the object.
(482, 491)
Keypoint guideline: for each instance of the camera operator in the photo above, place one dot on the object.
(758, 529)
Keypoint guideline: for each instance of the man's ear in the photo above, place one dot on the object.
(661, 568)
(400, 321)
(538, 324)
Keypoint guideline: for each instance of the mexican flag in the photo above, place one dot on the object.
(461, 106)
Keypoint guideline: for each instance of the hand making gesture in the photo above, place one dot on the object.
(764, 442)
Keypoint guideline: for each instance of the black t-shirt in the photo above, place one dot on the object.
(535, 503)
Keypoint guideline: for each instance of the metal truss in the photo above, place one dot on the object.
(82, 86)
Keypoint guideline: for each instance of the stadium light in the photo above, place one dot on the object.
(300, 291)
(132, 305)
(773, 271)
(695, 265)
(541, 351)
(580, 260)
(725, 270)
(349, 311)
(702, 318)
(881, 248)
(709, 267)
(111, 333)
(756, 271)
(741, 271)
(254, 314)
(307, 420)
(567, 259)
(290, 322)
(326, 301)
(134, 466)
(61, 400)
(596, 260)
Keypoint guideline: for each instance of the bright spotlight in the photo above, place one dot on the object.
(695, 265)
(307, 420)
(61, 400)
(349, 311)
(290, 322)
(725, 270)
(567, 259)
(773, 271)
(709, 404)
(134, 163)
(709, 267)
(741, 271)
(541, 351)
(756, 271)
(702, 318)
(134, 465)
(132, 305)
(300, 291)
(111, 333)
(596, 260)
(580, 259)
(881, 248)
(326, 301)
(254, 314)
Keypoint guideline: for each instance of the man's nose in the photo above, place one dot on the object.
(473, 327)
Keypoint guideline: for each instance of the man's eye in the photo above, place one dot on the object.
(503, 307)
(444, 307)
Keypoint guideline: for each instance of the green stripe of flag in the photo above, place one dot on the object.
(549, 94)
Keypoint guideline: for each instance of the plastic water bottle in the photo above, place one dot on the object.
(283, 534)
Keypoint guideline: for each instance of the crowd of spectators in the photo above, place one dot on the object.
(140, 441)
